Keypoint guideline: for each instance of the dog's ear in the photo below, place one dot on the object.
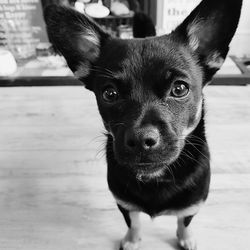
(76, 37)
(208, 30)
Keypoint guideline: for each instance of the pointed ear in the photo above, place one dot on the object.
(76, 37)
(208, 30)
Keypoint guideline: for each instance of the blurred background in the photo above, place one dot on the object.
(31, 59)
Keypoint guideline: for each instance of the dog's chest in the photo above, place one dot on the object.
(187, 211)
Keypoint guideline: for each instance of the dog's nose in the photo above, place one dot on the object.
(147, 138)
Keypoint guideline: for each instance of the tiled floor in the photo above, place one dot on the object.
(53, 191)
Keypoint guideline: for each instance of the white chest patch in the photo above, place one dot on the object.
(127, 205)
(192, 210)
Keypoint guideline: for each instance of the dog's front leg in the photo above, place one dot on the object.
(185, 234)
(132, 238)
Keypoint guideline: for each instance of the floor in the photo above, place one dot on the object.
(53, 191)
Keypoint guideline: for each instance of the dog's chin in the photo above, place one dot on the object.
(146, 172)
(149, 172)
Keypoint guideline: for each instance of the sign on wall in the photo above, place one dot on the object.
(175, 12)
(21, 26)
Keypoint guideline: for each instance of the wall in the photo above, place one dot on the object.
(171, 12)
(240, 45)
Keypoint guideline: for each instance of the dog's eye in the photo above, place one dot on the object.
(180, 89)
(110, 94)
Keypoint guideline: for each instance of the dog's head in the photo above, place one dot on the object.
(149, 91)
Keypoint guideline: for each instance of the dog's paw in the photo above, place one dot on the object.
(127, 245)
(188, 243)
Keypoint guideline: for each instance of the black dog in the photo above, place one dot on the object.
(149, 94)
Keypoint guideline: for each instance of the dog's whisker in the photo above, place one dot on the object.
(99, 138)
(171, 173)
(100, 152)
(187, 154)
(199, 151)
(194, 137)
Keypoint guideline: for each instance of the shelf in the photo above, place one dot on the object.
(44, 76)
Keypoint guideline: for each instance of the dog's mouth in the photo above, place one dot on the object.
(145, 171)
(149, 166)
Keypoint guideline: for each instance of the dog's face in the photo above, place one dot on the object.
(149, 91)
(149, 102)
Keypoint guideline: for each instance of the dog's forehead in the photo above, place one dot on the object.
(151, 51)
(147, 59)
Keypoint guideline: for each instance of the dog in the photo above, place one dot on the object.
(150, 96)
